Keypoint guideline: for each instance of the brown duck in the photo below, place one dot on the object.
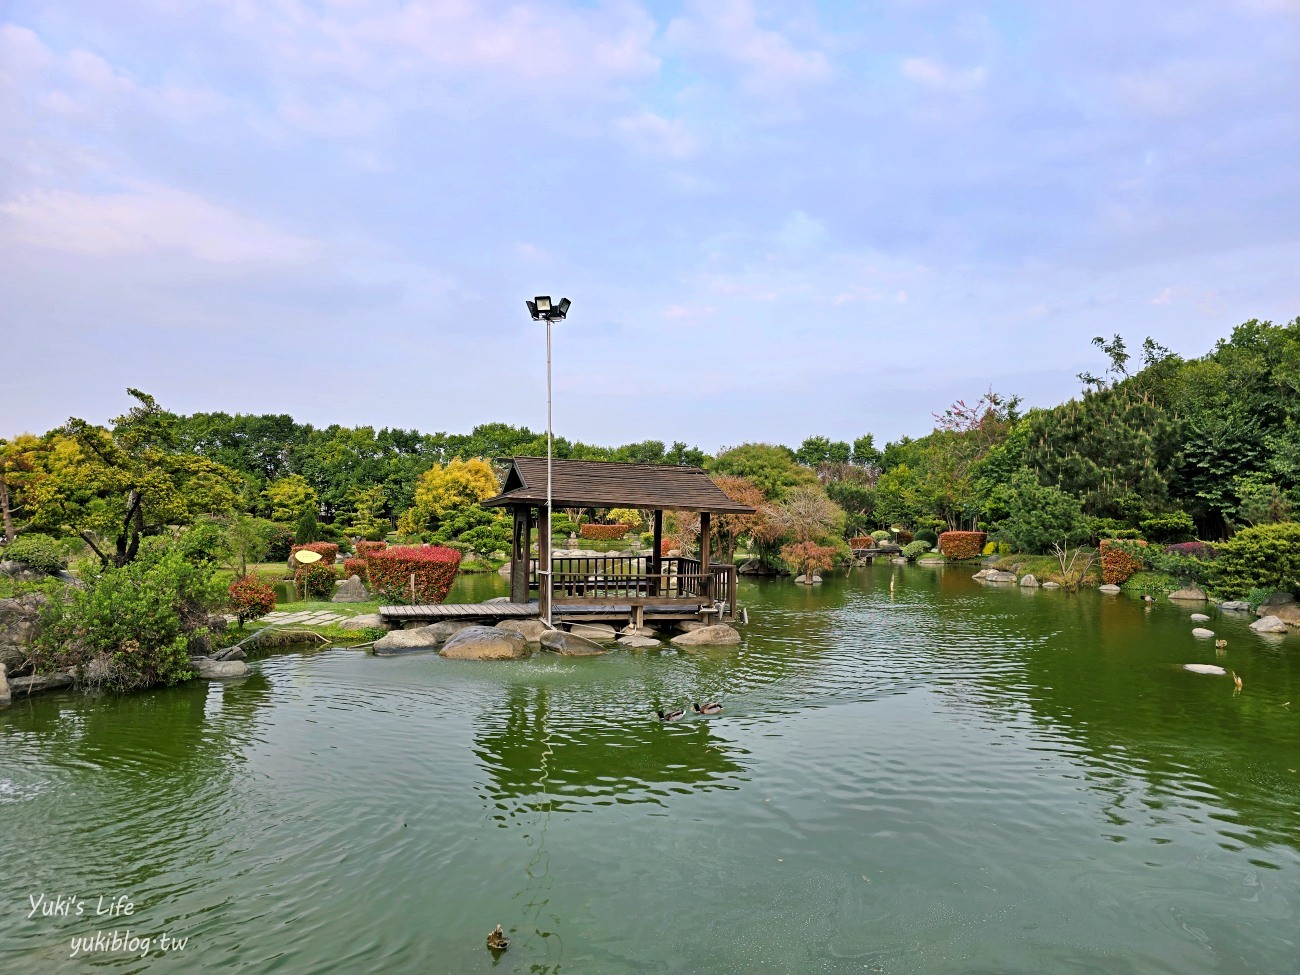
(497, 941)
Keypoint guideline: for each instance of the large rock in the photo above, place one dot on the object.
(686, 626)
(1192, 594)
(410, 641)
(351, 590)
(484, 643)
(1029, 580)
(1199, 618)
(801, 578)
(755, 567)
(5, 697)
(13, 658)
(20, 619)
(1110, 590)
(645, 629)
(719, 634)
(1202, 632)
(1277, 599)
(1269, 624)
(593, 631)
(530, 630)
(40, 682)
(1286, 612)
(637, 642)
(994, 575)
(1235, 606)
(570, 644)
(21, 571)
(1051, 585)
(219, 669)
(365, 621)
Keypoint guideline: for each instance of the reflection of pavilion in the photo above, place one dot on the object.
(544, 762)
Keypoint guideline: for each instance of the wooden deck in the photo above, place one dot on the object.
(458, 611)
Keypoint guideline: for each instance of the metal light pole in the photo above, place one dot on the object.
(543, 311)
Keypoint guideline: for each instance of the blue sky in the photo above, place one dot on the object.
(774, 219)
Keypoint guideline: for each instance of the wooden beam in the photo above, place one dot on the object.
(656, 556)
(519, 556)
(706, 584)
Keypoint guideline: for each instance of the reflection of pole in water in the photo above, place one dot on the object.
(892, 577)
(539, 883)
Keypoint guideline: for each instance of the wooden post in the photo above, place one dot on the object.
(656, 555)
(544, 586)
(519, 556)
(706, 584)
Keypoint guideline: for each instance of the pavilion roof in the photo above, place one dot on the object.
(605, 484)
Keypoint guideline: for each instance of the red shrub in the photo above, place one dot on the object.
(862, 541)
(605, 533)
(365, 548)
(251, 598)
(432, 567)
(1119, 560)
(666, 545)
(903, 537)
(962, 545)
(355, 567)
(327, 551)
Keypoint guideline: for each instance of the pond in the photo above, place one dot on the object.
(913, 773)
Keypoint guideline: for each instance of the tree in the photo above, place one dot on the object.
(289, 497)
(816, 451)
(20, 464)
(807, 515)
(1034, 516)
(114, 488)
(771, 468)
(447, 500)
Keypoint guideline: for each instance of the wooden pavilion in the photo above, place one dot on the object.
(600, 587)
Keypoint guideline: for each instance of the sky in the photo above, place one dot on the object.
(774, 219)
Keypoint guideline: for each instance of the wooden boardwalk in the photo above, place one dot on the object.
(458, 611)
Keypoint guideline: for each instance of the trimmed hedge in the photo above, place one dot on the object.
(38, 551)
(1262, 557)
(1119, 560)
(406, 574)
(862, 541)
(903, 537)
(365, 548)
(915, 548)
(962, 545)
(354, 567)
(250, 597)
(604, 533)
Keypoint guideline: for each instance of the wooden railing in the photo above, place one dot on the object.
(627, 578)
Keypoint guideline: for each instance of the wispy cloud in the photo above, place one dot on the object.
(767, 59)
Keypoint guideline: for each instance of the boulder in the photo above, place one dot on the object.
(1202, 632)
(931, 560)
(593, 631)
(570, 644)
(994, 575)
(981, 575)
(505, 570)
(719, 634)
(1213, 670)
(1235, 606)
(484, 643)
(230, 653)
(351, 590)
(1051, 585)
(1269, 624)
(755, 567)
(637, 642)
(1192, 594)
(530, 630)
(408, 641)
(644, 630)
(40, 682)
(1029, 580)
(365, 621)
(210, 669)
(12, 657)
(1108, 590)
(1277, 599)
(1199, 618)
(1286, 612)
(815, 579)
(689, 625)
(6, 698)
(20, 619)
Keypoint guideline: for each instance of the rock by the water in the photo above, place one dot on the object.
(1214, 670)
(719, 634)
(1199, 618)
(210, 669)
(1051, 585)
(484, 643)
(570, 644)
(351, 590)
(530, 630)
(638, 642)
(20, 619)
(39, 682)
(408, 641)
(643, 630)
(1277, 599)
(755, 567)
(816, 578)
(994, 575)
(1235, 606)
(366, 621)
(1202, 632)
(230, 653)
(981, 574)
(1269, 624)
(1108, 589)
(6, 698)
(12, 657)
(1286, 612)
(931, 560)
(1030, 580)
(593, 631)
(1192, 594)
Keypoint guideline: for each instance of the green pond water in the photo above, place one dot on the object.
(913, 773)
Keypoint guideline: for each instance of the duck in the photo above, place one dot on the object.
(1236, 680)
(1148, 598)
(671, 715)
(712, 707)
(1220, 644)
(497, 941)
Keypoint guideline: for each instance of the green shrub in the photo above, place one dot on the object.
(317, 578)
(38, 551)
(1256, 596)
(279, 540)
(1150, 583)
(308, 529)
(1175, 527)
(928, 536)
(881, 536)
(131, 626)
(912, 549)
(1265, 557)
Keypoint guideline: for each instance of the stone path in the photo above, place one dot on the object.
(305, 618)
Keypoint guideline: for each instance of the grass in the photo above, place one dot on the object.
(325, 606)
(1044, 568)
(1154, 583)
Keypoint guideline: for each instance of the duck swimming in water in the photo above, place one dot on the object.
(497, 941)
(671, 715)
(713, 707)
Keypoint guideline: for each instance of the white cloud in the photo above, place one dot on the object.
(937, 76)
(655, 135)
(729, 29)
(1165, 296)
(146, 221)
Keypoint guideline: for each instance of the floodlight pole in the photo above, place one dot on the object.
(542, 309)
